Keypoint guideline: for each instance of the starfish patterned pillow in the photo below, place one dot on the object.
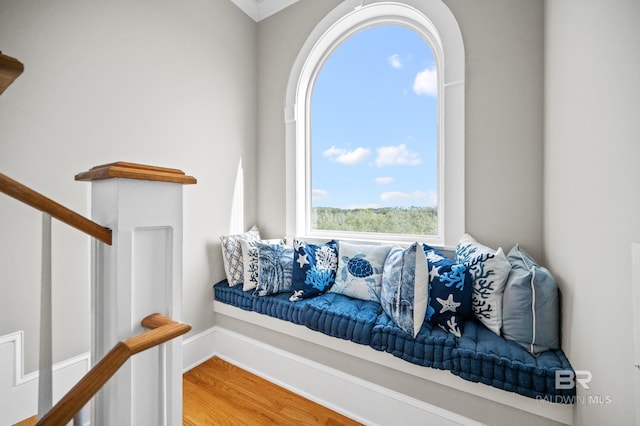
(314, 268)
(450, 290)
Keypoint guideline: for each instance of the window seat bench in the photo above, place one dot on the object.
(478, 355)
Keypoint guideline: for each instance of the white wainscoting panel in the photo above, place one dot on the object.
(19, 392)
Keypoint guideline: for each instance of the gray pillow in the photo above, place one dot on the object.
(530, 305)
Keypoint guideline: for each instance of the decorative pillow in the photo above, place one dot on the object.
(489, 271)
(360, 270)
(405, 287)
(232, 254)
(314, 268)
(275, 268)
(450, 290)
(250, 262)
(531, 309)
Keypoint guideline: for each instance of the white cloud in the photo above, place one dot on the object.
(319, 194)
(398, 156)
(383, 180)
(394, 61)
(426, 82)
(347, 157)
(402, 196)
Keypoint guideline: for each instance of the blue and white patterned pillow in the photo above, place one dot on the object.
(250, 264)
(314, 268)
(405, 287)
(489, 271)
(360, 270)
(450, 292)
(232, 254)
(275, 268)
(250, 261)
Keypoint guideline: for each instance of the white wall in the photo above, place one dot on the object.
(156, 82)
(592, 200)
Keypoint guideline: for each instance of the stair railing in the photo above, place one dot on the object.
(162, 329)
(140, 272)
(49, 209)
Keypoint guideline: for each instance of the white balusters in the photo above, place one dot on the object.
(45, 380)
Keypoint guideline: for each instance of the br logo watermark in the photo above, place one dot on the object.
(566, 379)
(569, 379)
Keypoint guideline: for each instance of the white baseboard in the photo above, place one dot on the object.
(358, 399)
(561, 413)
(363, 401)
(19, 392)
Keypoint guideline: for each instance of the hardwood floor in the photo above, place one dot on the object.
(218, 393)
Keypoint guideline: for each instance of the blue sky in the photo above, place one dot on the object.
(373, 122)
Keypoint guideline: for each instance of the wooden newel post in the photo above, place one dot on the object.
(139, 274)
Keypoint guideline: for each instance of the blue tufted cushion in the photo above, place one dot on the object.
(233, 295)
(279, 306)
(432, 347)
(342, 316)
(482, 356)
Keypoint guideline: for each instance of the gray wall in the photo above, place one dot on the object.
(591, 196)
(157, 82)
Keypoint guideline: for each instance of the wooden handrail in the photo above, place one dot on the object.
(162, 330)
(10, 69)
(38, 201)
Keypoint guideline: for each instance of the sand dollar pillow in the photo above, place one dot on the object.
(489, 270)
(360, 270)
(405, 287)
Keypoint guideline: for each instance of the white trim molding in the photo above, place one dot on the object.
(19, 392)
(561, 413)
(262, 9)
(355, 398)
(433, 20)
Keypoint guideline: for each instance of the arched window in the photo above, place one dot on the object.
(373, 154)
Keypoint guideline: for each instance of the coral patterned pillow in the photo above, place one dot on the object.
(314, 268)
(450, 291)
(489, 271)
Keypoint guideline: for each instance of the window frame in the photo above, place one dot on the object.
(442, 33)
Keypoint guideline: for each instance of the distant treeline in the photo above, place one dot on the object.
(388, 220)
